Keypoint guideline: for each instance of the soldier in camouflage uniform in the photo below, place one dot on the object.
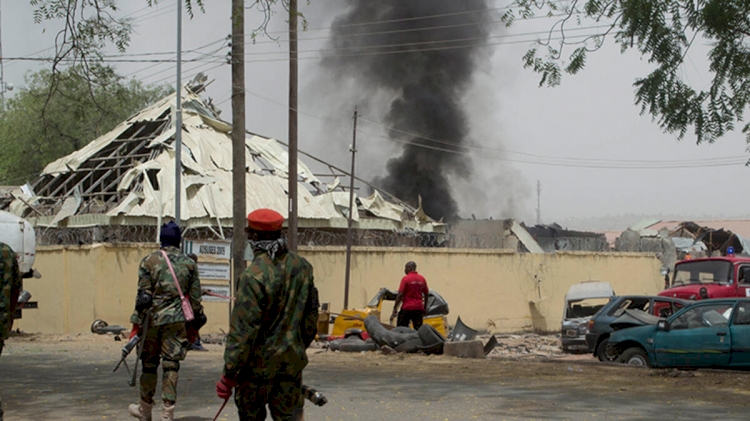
(10, 287)
(273, 322)
(166, 337)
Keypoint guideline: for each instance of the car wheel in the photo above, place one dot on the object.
(636, 357)
(97, 325)
(605, 352)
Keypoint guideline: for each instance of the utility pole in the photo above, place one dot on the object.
(4, 87)
(238, 140)
(2, 74)
(292, 225)
(538, 203)
(352, 209)
(178, 122)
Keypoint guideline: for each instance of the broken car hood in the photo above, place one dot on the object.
(632, 318)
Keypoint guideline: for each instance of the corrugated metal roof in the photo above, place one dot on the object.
(146, 186)
(737, 226)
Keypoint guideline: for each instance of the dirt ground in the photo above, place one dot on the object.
(524, 378)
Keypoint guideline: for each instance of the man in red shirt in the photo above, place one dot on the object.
(413, 293)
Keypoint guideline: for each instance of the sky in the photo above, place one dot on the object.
(555, 150)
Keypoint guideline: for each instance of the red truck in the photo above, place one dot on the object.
(710, 277)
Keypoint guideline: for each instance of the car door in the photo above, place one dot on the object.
(740, 330)
(697, 337)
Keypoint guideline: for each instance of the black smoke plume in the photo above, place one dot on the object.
(425, 53)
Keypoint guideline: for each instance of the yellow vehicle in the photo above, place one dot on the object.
(435, 314)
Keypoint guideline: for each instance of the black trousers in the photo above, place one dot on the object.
(413, 316)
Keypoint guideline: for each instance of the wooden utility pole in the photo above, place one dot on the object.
(238, 139)
(352, 209)
(292, 225)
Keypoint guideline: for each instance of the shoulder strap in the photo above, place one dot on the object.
(171, 270)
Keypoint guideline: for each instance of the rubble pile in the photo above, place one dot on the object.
(525, 345)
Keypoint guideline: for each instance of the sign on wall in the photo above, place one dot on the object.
(214, 271)
(217, 249)
(222, 290)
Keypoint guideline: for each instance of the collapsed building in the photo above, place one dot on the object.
(675, 240)
(121, 186)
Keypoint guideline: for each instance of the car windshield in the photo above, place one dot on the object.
(703, 272)
(584, 308)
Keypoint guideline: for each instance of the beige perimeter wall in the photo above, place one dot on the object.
(493, 290)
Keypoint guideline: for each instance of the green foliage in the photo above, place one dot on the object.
(37, 128)
(662, 31)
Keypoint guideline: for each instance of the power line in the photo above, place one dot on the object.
(480, 148)
(208, 55)
(194, 70)
(572, 162)
(173, 7)
(421, 50)
(443, 15)
(111, 60)
(165, 53)
(409, 44)
(397, 31)
(663, 165)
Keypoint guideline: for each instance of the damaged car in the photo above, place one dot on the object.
(707, 333)
(623, 311)
(581, 302)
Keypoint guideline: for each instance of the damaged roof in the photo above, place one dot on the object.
(737, 226)
(129, 174)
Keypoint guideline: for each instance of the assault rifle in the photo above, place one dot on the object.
(135, 341)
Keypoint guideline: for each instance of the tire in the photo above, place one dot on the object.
(335, 345)
(98, 325)
(635, 356)
(353, 332)
(402, 329)
(411, 345)
(383, 336)
(604, 352)
(430, 336)
(358, 346)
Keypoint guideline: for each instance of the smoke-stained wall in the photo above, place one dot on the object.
(424, 54)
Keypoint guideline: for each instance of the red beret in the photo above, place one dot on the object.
(265, 220)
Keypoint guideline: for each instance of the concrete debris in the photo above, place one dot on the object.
(464, 349)
(525, 345)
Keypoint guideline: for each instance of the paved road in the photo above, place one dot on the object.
(73, 381)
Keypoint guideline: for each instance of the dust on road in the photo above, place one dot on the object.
(73, 373)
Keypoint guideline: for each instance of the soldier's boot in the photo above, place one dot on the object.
(167, 412)
(141, 411)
